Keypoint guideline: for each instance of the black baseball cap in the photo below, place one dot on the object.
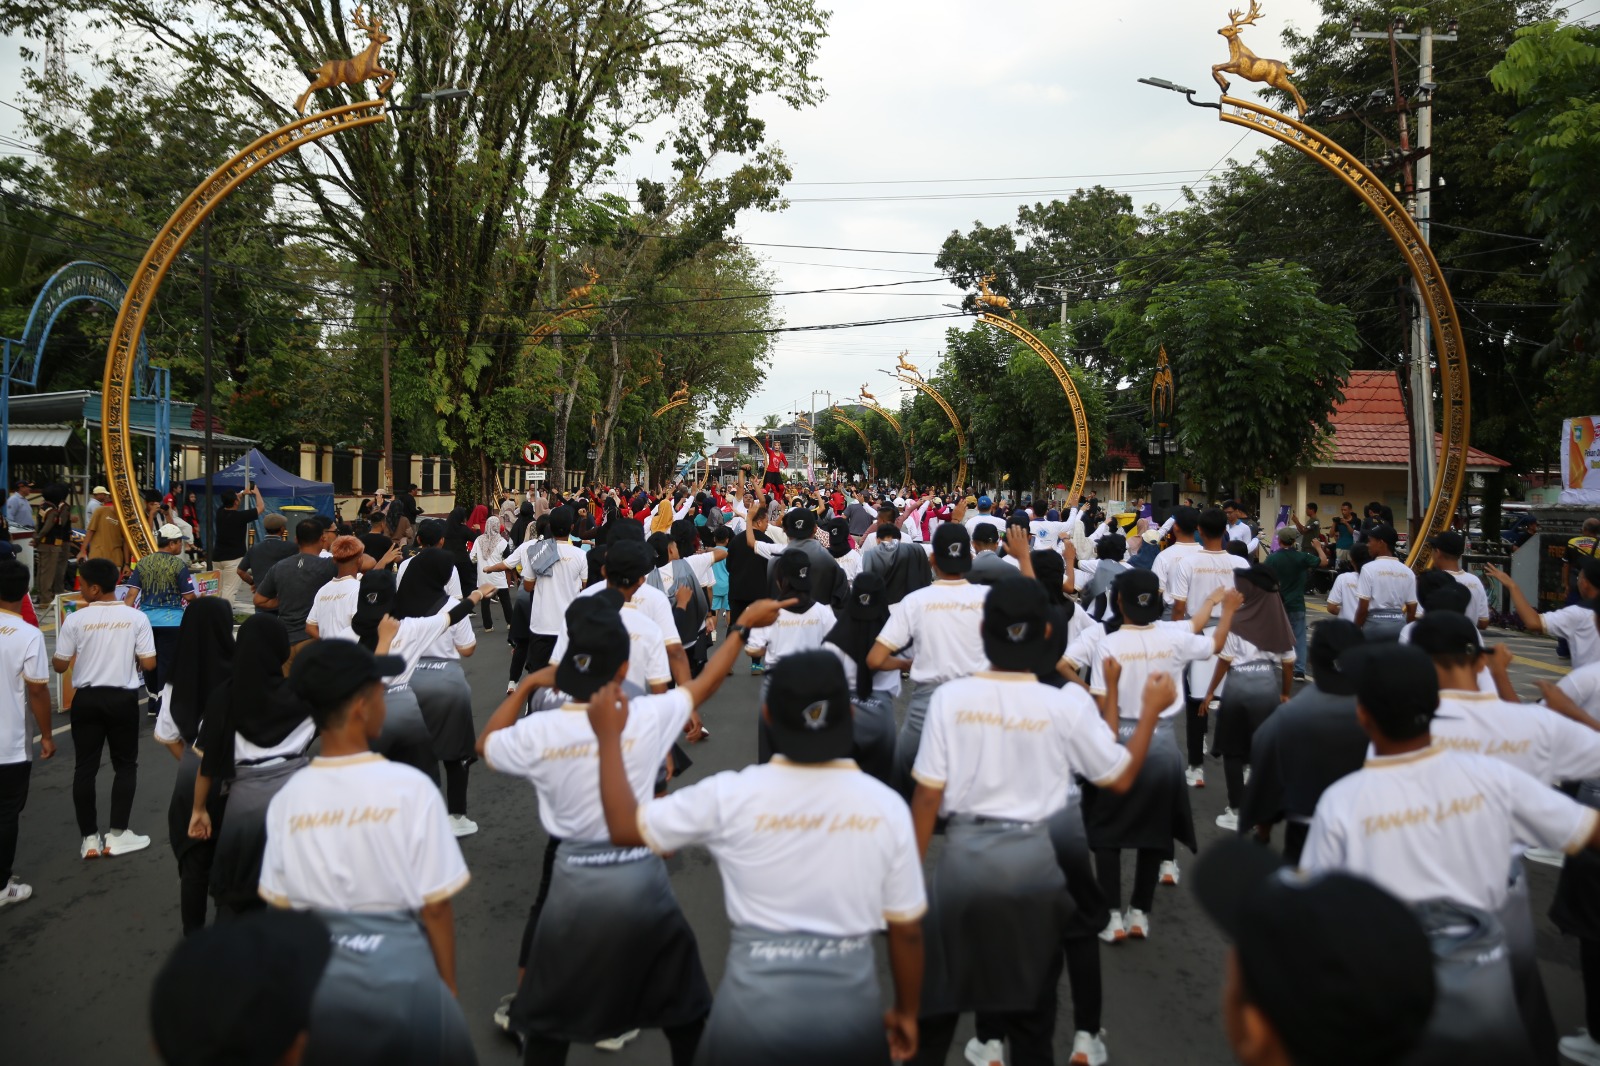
(1329, 640)
(1437, 590)
(808, 708)
(1341, 968)
(952, 548)
(799, 522)
(1385, 534)
(328, 672)
(869, 597)
(1139, 592)
(1446, 633)
(1448, 543)
(1016, 614)
(240, 991)
(597, 644)
(794, 568)
(1396, 685)
(628, 560)
(838, 530)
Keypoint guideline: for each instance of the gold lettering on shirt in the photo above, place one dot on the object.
(320, 820)
(6, 631)
(789, 823)
(1000, 720)
(579, 751)
(943, 606)
(1501, 748)
(1442, 812)
(854, 823)
(107, 625)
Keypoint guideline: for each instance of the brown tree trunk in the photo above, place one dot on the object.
(613, 408)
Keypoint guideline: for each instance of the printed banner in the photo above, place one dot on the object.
(1580, 461)
(207, 583)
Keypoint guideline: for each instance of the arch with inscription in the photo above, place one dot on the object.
(128, 336)
(1080, 420)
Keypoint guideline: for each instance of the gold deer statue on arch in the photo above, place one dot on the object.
(357, 69)
(1249, 66)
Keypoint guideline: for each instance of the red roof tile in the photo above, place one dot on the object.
(1370, 425)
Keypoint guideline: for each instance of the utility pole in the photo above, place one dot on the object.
(1420, 201)
(208, 528)
(1060, 291)
(388, 418)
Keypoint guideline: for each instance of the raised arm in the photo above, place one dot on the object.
(1525, 610)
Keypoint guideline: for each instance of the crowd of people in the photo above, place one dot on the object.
(1007, 677)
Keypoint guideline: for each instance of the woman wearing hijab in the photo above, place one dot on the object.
(433, 636)
(872, 692)
(458, 538)
(1258, 661)
(202, 661)
(661, 520)
(490, 550)
(524, 521)
(479, 516)
(1109, 551)
(254, 736)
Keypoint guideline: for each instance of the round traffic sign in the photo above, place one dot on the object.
(534, 453)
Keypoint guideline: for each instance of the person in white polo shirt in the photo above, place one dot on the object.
(366, 843)
(1193, 579)
(997, 760)
(24, 693)
(1577, 623)
(1185, 522)
(798, 628)
(933, 632)
(553, 573)
(1386, 591)
(335, 605)
(816, 859)
(106, 644)
(1448, 548)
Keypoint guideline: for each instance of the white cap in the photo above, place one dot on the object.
(169, 532)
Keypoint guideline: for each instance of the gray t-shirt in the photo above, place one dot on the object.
(294, 582)
(264, 555)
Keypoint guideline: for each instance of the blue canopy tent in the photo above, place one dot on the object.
(279, 488)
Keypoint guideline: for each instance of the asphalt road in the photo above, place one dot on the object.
(76, 960)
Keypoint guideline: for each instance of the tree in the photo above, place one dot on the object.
(1259, 362)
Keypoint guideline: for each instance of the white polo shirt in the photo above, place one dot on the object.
(430, 637)
(803, 847)
(1342, 597)
(360, 834)
(942, 625)
(1583, 686)
(1387, 585)
(106, 636)
(557, 752)
(792, 633)
(647, 651)
(1167, 562)
(1005, 745)
(1478, 606)
(1529, 736)
(22, 660)
(650, 602)
(553, 593)
(335, 607)
(1439, 824)
(1082, 646)
(1164, 647)
(1198, 575)
(1575, 624)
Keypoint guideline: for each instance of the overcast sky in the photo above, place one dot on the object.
(941, 113)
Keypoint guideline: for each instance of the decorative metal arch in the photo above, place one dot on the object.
(669, 406)
(949, 412)
(1080, 420)
(895, 424)
(169, 242)
(1451, 472)
(872, 460)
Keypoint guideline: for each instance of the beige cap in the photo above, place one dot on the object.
(100, 490)
(169, 532)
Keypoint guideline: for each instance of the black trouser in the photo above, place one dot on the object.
(455, 783)
(1589, 967)
(1031, 1032)
(104, 717)
(682, 1039)
(1146, 871)
(538, 901)
(194, 880)
(1083, 975)
(1195, 734)
(14, 777)
(1294, 842)
(1233, 777)
(540, 645)
(521, 612)
(504, 596)
(736, 608)
(166, 638)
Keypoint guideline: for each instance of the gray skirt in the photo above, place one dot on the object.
(236, 868)
(1155, 811)
(181, 807)
(796, 1000)
(1383, 625)
(1475, 1016)
(405, 737)
(875, 735)
(612, 951)
(381, 1001)
(997, 903)
(910, 739)
(445, 699)
(1251, 696)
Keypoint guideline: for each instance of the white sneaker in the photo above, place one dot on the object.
(92, 847)
(1247, 774)
(1114, 933)
(1581, 1048)
(1194, 777)
(1138, 924)
(617, 1043)
(991, 1053)
(1169, 872)
(1088, 1049)
(15, 892)
(1228, 819)
(502, 1013)
(1547, 856)
(511, 686)
(123, 841)
(462, 826)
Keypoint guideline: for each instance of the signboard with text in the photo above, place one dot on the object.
(1580, 461)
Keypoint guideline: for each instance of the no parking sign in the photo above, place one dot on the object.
(534, 453)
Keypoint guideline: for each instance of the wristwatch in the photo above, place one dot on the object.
(743, 631)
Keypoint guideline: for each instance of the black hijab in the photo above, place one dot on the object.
(372, 603)
(421, 592)
(858, 627)
(458, 536)
(519, 528)
(257, 702)
(205, 650)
